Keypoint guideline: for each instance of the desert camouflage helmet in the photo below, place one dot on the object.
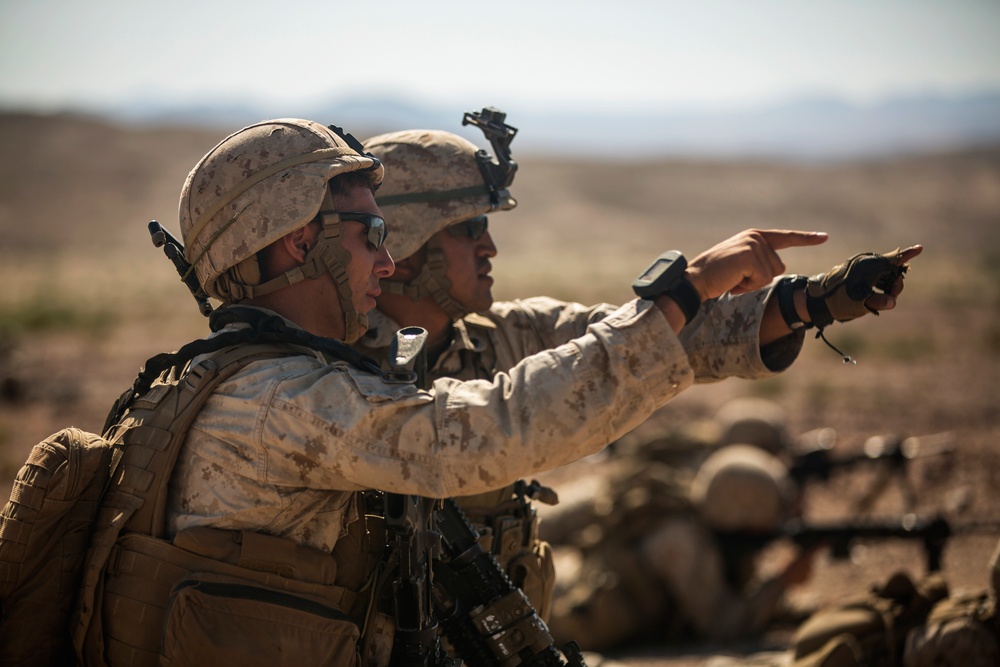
(435, 181)
(257, 185)
(754, 421)
(742, 488)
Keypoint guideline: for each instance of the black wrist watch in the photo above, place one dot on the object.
(666, 276)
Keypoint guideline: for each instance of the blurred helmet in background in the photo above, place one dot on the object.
(754, 421)
(742, 488)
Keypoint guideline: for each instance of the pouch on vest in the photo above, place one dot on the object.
(134, 573)
(217, 592)
(875, 625)
(220, 620)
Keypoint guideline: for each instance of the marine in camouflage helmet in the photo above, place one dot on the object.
(437, 181)
(754, 421)
(742, 488)
(650, 564)
(257, 185)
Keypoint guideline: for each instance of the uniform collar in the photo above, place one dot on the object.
(381, 330)
(466, 337)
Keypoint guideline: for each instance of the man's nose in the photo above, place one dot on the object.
(486, 247)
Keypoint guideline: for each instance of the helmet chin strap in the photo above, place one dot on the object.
(328, 255)
(432, 281)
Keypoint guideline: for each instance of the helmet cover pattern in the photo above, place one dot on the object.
(255, 186)
(742, 488)
(435, 181)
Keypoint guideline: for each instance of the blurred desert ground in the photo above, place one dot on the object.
(87, 298)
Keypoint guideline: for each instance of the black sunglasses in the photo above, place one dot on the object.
(375, 224)
(474, 228)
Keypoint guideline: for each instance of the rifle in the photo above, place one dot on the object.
(893, 452)
(932, 532)
(411, 530)
(174, 251)
(483, 614)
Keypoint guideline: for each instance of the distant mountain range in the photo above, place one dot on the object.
(815, 128)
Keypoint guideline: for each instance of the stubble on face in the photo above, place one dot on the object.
(468, 269)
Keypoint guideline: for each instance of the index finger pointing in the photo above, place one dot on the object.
(909, 253)
(789, 238)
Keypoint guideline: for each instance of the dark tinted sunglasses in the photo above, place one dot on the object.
(376, 226)
(474, 228)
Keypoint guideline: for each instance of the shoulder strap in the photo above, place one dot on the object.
(153, 429)
(262, 329)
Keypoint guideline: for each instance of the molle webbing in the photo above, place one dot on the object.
(156, 425)
(44, 530)
(121, 606)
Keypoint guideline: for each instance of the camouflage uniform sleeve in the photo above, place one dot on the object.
(463, 438)
(723, 340)
(540, 323)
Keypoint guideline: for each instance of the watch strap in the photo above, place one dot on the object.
(785, 290)
(686, 297)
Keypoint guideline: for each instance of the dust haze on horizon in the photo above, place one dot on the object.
(624, 57)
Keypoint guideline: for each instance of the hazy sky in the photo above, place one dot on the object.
(530, 54)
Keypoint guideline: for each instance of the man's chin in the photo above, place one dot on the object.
(483, 304)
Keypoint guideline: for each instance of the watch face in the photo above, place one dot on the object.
(654, 270)
(665, 270)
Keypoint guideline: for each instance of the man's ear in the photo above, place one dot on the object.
(297, 244)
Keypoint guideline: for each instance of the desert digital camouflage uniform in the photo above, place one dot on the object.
(721, 341)
(244, 465)
(438, 179)
(346, 430)
(495, 341)
(283, 446)
(482, 345)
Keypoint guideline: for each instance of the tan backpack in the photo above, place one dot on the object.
(44, 530)
(74, 481)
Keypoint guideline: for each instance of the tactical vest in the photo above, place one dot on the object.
(505, 518)
(211, 595)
